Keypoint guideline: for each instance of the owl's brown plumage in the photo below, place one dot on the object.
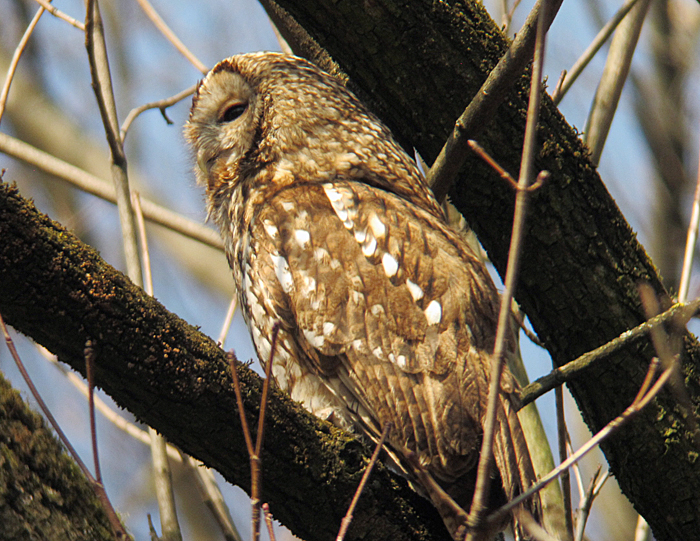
(386, 315)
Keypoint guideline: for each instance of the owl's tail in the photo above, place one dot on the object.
(513, 459)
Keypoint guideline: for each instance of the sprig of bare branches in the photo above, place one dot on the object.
(94, 185)
(255, 451)
(569, 77)
(681, 312)
(162, 105)
(53, 10)
(483, 106)
(646, 394)
(483, 480)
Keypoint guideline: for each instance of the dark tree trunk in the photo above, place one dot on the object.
(418, 64)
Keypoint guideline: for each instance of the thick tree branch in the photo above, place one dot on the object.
(60, 292)
(44, 494)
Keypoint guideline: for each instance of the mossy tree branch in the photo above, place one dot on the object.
(58, 291)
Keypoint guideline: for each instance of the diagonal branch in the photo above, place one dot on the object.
(177, 380)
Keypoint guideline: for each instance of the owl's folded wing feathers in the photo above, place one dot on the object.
(397, 312)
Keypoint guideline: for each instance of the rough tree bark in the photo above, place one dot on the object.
(60, 292)
(417, 64)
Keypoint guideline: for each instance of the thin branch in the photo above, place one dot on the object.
(690, 243)
(160, 104)
(268, 521)
(239, 402)
(347, 519)
(562, 435)
(89, 373)
(594, 488)
(639, 403)
(576, 468)
(15, 59)
(59, 14)
(530, 525)
(483, 480)
(105, 190)
(255, 458)
(102, 86)
(668, 350)
(613, 79)
(108, 413)
(642, 532)
(213, 499)
(156, 19)
(254, 452)
(682, 311)
(482, 108)
(227, 320)
(505, 175)
(42, 405)
(568, 78)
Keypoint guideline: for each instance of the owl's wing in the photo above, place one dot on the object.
(398, 316)
(384, 295)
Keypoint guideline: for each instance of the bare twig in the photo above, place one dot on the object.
(483, 481)
(613, 79)
(668, 350)
(645, 395)
(531, 335)
(594, 489)
(505, 175)
(690, 243)
(254, 452)
(347, 519)
(576, 468)
(145, 254)
(683, 312)
(89, 373)
(15, 59)
(227, 320)
(537, 532)
(105, 190)
(160, 104)
(481, 109)
(562, 435)
(642, 532)
(156, 19)
(268, 521)
(213, 499)
(42, 405)
(568, 78)
(165, 495)
(112, 416)
(211, 494)
(102, 86)
(59, 14)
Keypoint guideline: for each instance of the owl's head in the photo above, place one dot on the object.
(252, 109)
(275, 118)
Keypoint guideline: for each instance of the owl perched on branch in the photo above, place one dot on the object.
(386, 315)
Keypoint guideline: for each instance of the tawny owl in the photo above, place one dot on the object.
(385, 313)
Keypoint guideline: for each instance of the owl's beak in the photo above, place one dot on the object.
(202, 163)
